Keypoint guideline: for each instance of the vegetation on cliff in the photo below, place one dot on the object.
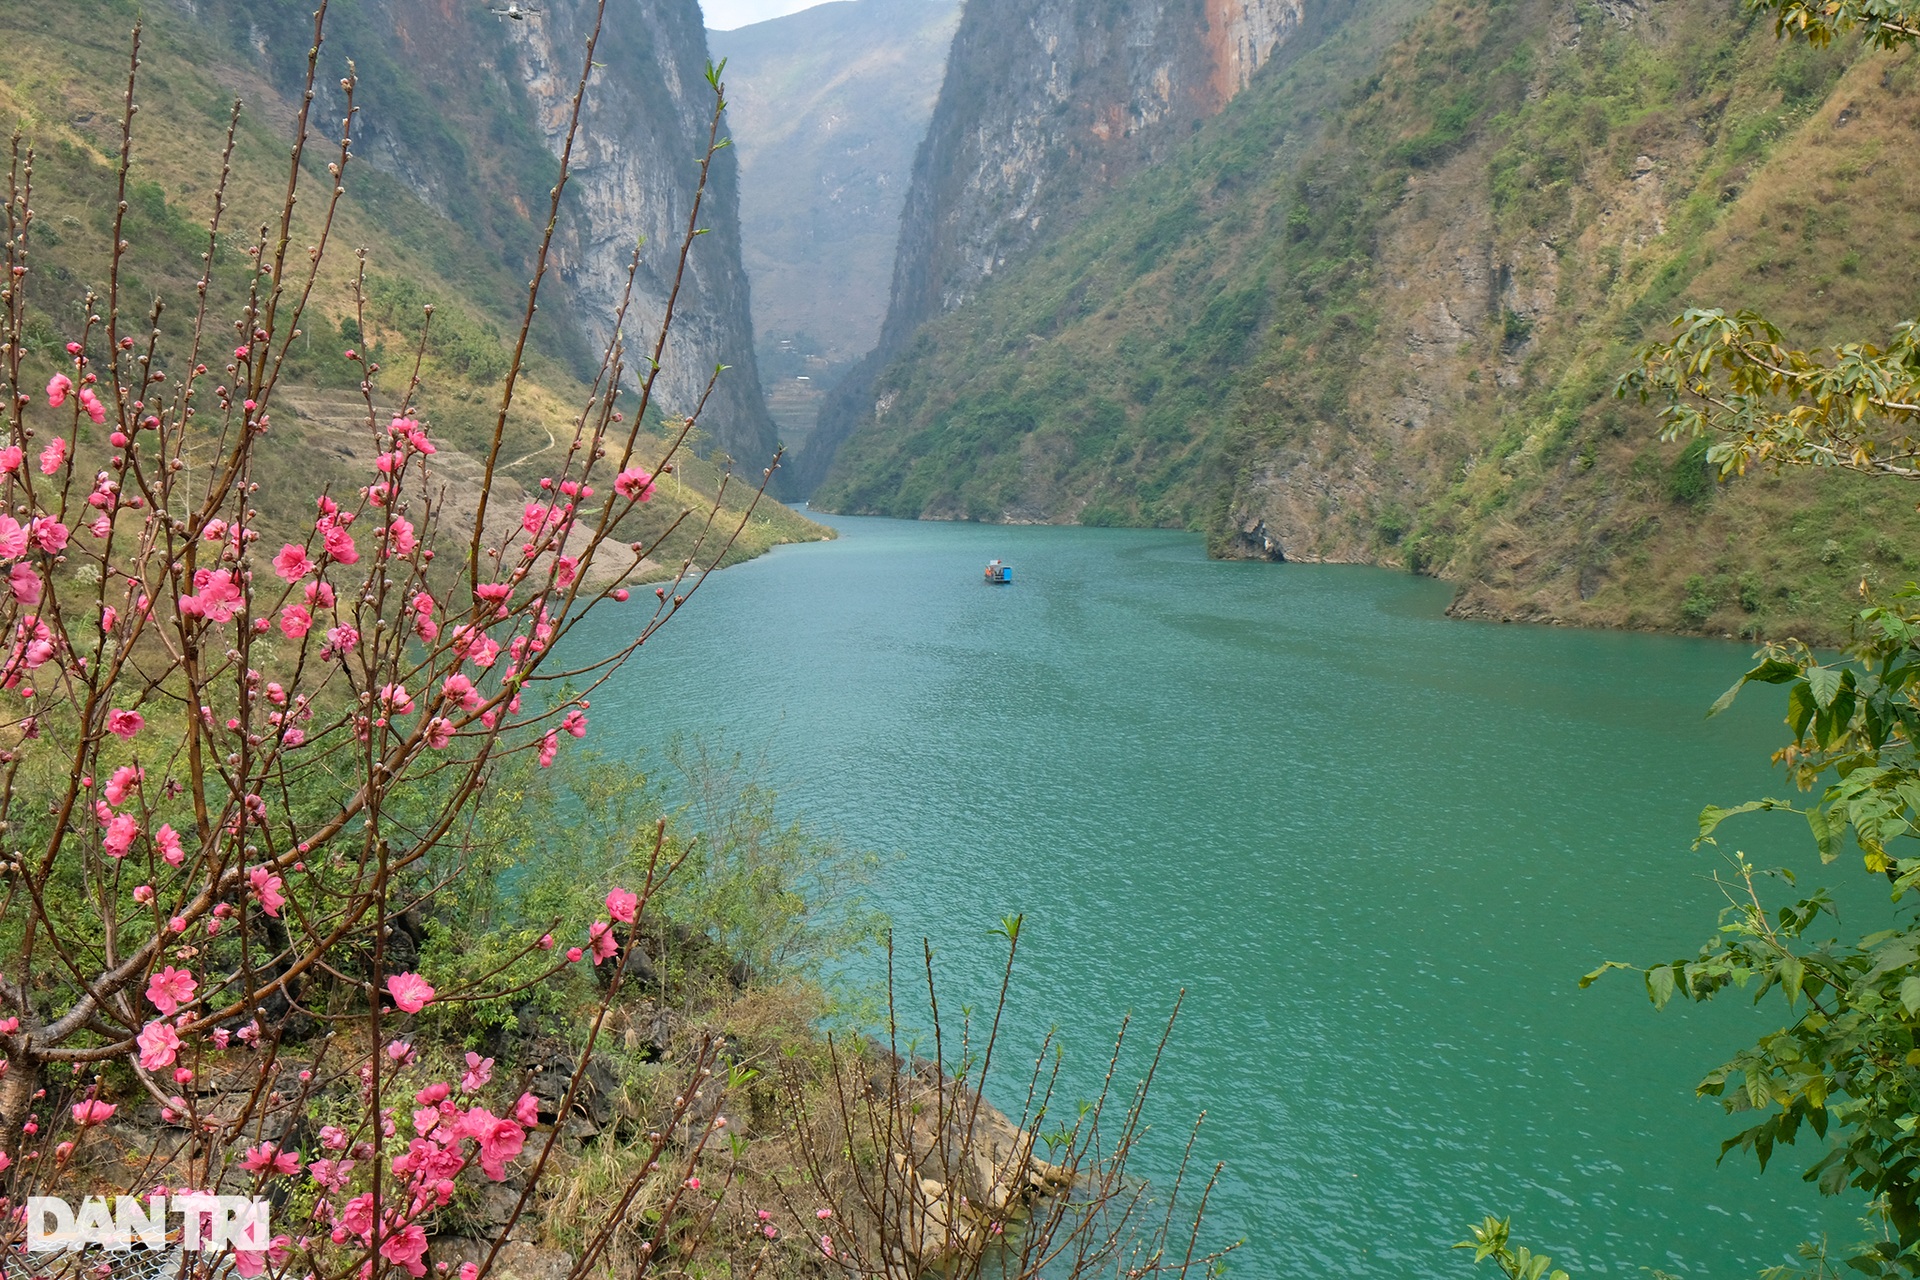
(61, 75)
(1840, 1074)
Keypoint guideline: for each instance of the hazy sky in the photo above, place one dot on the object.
(725, 15)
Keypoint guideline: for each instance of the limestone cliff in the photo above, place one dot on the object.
(468, 110)
(646, 119)
(1042, 106)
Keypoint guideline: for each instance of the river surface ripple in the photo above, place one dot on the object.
(1376, 847)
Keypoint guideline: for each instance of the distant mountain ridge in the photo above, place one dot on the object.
(826, 108)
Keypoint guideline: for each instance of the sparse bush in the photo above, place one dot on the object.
(1700, 602)
(1690, 479)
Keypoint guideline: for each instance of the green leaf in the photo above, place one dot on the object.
(1725, 700)
(1792, 974)
(1800, 709)
(1910, 995)
(1825, 833)
(1595, 976)
(1713, 814)
(1772, 671)
(1660, 985)
(1825, 683)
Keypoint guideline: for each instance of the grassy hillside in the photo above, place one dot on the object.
(63, 76)
(1374, 310)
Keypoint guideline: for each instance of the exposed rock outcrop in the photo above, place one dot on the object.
(645, 121)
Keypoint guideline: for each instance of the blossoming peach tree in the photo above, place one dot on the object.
(228, 767)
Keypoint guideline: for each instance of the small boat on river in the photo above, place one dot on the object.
(999, 574)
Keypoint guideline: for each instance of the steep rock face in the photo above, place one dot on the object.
(646, 121)
(1044, 102)
(468, 112)
(1042, 105)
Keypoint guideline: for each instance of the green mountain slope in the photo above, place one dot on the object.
(1372, 312)
(63, 73)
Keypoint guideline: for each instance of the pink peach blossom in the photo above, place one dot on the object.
(479, 1071)
(50, 535)
(125, 723)
(159, 1045)
(406, 1248)
(171, 849)
(483, 652)
(266, 887)
(122, 783)
(499, 1141)
(635, 483)
(292, 564)
(216, 596)
(92, 1112)
(340, 546)
(170, 988)
(122, 831)
(410, 991)
(341, 641)
(267, 1157)
(457, 688)
(13, 538)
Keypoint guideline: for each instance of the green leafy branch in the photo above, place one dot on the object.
(1851, 407)
(1490, 1239)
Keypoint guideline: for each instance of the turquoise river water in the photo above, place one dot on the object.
(1377, 847)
